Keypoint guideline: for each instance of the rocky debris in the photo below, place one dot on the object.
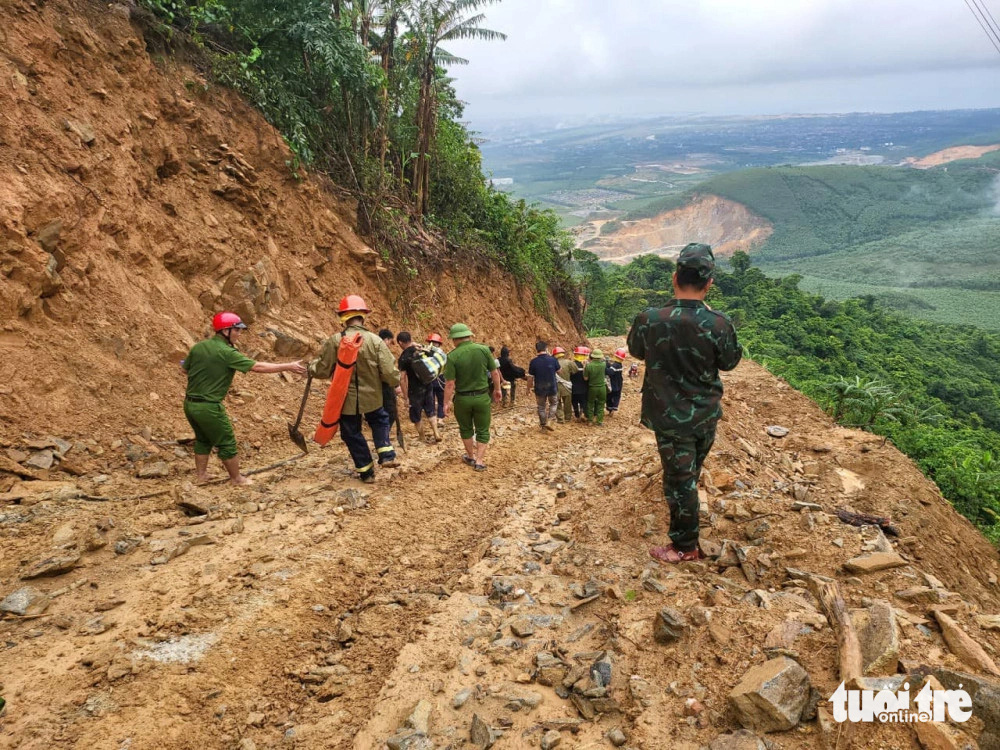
(963, 646)
(195, 504)
(81, 129)
(668, 626)
(740, 740)
(617, 737)
(41, 460)
(939, 735)
(234, 526)
(461, 698)
(56, 564)
(168, 551)
(921, 595)
(154, 470)
(874, 562)
(522, 627)
(879, 637)
(127, 544)
(420, 718)
(777, 431)
(771, 696)
(988, 622)
(551, 740)
(551, 670)
(25, 601)
(480, 733)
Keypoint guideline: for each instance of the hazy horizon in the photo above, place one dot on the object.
(725, 57)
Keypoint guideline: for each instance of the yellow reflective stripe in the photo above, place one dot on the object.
(385, 449)
(363, 469)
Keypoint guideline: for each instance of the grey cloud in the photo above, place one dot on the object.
(579, 48)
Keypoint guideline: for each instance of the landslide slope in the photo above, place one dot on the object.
(311, 611)
(137, 201)
(726, 225)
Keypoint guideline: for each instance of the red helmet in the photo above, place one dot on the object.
(435, 339)
(622, 354)
(352, 303)
(557, 350)
(224, 320)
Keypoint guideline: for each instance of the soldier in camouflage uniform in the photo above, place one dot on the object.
(684, 344)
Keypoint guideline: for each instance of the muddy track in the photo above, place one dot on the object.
(272, 596)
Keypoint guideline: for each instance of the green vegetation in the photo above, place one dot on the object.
(934, 390)
(359, 90)
(821, 210)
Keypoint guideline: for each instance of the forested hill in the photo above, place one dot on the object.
(919, 240)
(934, 390)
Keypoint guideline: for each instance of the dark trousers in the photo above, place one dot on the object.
(614, 398)
(682, 459)
(357, 444)
(435, 395)
(580, 404)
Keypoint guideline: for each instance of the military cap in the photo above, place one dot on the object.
(699, 257)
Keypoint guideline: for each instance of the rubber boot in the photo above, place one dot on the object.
(434, 430)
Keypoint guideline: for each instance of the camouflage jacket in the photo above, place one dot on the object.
(684, 345)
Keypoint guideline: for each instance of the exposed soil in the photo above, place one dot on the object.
(950, 154)
(724, 224)
(138, 200)
(338, 606)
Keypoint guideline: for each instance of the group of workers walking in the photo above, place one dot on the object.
(684, 345)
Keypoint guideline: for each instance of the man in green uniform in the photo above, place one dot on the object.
(597, 388)
(210, 366)
(467, 374)
(375, 366)
(684, 344)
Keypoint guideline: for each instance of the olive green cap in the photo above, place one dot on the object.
(597, 354)
(699, 257)
(459, 331)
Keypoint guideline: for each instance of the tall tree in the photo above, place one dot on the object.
(432, 23)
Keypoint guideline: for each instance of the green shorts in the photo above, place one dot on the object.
(212, 428)
(473, 414)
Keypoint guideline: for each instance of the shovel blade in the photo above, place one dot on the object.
(298, 438)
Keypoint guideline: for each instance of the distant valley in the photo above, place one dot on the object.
(903, 208)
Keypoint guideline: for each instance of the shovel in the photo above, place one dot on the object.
(293, 429)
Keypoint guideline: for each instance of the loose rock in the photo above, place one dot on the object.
(25, 601)
(771, 696)
(551, 740)
(480, 733)
(52, 566)
(668, 626)
(874, 562)
(879, 637)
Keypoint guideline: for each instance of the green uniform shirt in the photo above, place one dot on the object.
(469, 365)
(375, 366)
(593, 373)
(684, 345)
(210, 366)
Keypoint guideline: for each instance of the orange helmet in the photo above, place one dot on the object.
(435, 339)
(352, 303)
(225, 320)
(558, 351)
(621, 354)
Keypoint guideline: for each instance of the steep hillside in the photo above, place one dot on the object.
(726, 225)
(138, 200)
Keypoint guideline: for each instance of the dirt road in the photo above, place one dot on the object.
(316, 612)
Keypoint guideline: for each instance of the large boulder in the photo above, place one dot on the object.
(771, 696)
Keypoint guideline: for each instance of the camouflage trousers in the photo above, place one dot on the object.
(682, 459)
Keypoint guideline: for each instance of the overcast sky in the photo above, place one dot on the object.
(727, 57)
